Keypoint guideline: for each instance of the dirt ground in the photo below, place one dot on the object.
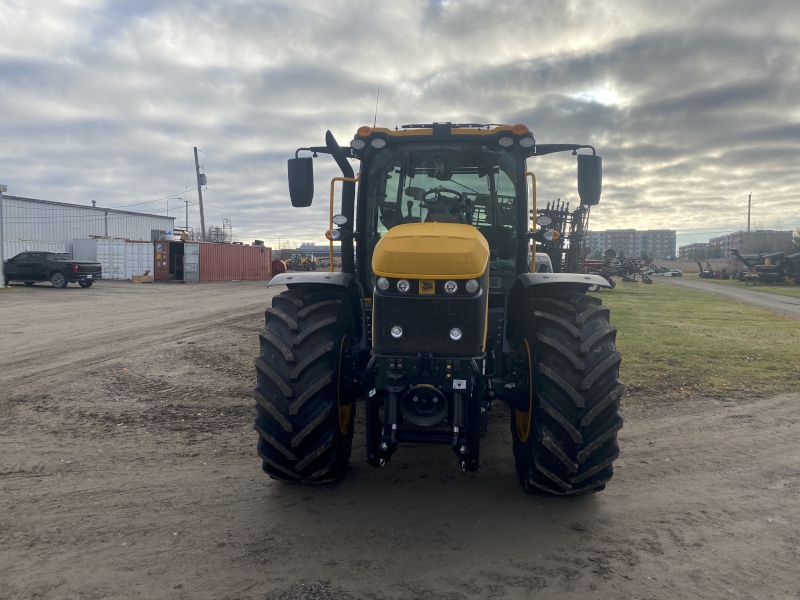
(128, 469)
(787, 306)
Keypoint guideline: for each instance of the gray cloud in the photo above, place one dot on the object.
(692, 105)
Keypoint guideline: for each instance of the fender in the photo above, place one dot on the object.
(345, 281)
(572, 281)
(543, 283)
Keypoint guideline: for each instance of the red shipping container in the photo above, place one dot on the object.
(161, 261)
(228, 262)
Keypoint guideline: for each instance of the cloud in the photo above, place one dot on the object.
(692, 105)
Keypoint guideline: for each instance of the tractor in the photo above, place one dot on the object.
(437, 313)
(302, 262)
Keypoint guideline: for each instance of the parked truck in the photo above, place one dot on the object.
(56, 267)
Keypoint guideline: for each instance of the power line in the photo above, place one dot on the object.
(240, 166)
(157, 200)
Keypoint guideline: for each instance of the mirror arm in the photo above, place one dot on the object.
(594, 152)
(542, 149)
(314, 149)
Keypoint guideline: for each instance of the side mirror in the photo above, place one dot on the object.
(301, 181)
(590, 178)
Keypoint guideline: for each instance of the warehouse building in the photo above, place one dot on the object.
(32, 224)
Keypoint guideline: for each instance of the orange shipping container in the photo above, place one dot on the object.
(226, 262)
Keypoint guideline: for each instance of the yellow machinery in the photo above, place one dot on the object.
(442, 307)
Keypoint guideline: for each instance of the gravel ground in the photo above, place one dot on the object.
(128, 469)
(783, 305)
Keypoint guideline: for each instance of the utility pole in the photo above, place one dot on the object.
(749, 200)
(200, 197)
(186, 202)
(2, 238)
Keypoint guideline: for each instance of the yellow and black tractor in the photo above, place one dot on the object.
(442, 307)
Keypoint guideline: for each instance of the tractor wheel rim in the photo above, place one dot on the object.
(345, 410)
(522, 419)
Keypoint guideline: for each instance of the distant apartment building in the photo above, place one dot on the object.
(763, 238)
(689, 251)
(657, 243)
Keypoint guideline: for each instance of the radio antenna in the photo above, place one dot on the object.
(376, 106)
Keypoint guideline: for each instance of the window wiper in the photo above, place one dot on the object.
(466, 187)
(491, 268)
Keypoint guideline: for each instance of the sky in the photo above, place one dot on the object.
(693, 105)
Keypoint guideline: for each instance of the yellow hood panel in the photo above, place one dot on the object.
(431, 250)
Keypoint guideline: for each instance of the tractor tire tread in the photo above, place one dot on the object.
(572, 442)
(297, 419)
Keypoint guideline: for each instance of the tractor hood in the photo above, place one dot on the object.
(431, 250)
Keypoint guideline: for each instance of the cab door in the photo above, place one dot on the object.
(37, 269)
(15, 266)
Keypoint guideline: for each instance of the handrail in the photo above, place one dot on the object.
(533, 219)
(355, 179)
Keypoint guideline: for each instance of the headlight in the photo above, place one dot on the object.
(451, 287)
(378, 143)
(527, 142)
(397, 332)
(506, 142)
(472, 286)
(357, 144)
(339, 220)
(455, 334)
(383, 284)
(403, 286)
(551, 235)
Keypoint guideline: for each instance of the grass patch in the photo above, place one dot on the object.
(782, 289)
(678, 342)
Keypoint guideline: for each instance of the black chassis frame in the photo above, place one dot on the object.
(499, 373)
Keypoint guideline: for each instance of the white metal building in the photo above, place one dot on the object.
(30, 220)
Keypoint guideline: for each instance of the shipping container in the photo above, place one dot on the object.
(120, 259)
(229, 262)
(111, 253)
(13, 247)
(162, 258)
(206, 261)
(84, 249)
(138, 259)
(191, 261)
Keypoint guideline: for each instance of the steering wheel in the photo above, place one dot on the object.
(442, 194)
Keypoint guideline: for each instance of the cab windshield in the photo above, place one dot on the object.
(475, 187)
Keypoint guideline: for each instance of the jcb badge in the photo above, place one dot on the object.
(427, 286)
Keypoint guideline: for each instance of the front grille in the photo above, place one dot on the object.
(426, 324)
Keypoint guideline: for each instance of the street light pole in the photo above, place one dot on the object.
(2, 239)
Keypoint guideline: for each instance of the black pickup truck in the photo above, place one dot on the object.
(56, 267)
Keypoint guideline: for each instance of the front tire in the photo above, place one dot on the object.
(58, 280)
(304, 415)
(566, 442)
